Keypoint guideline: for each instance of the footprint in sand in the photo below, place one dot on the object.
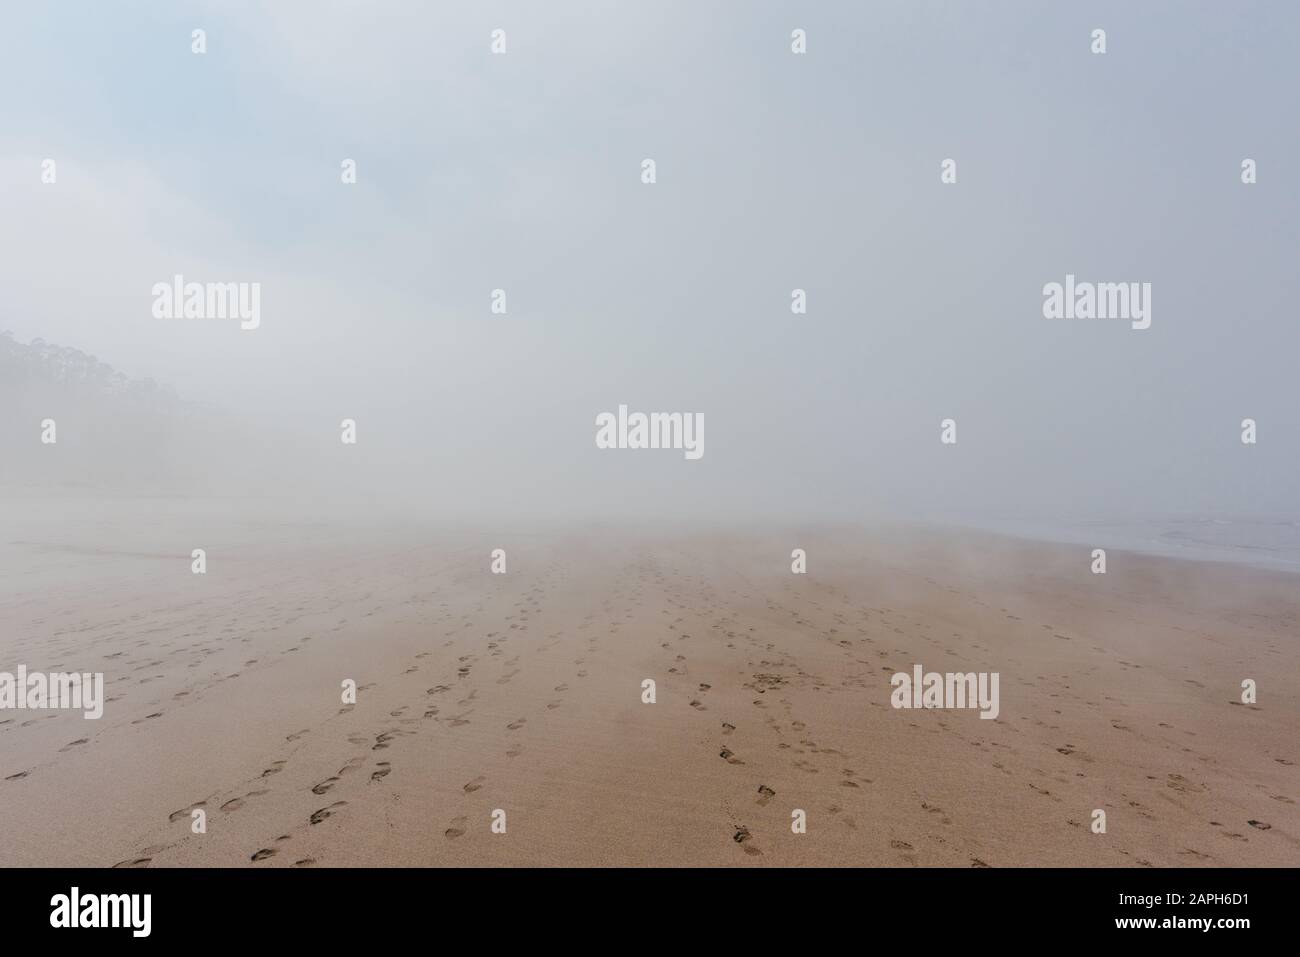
(729, 757)
(184, 812)
(517, 724)
(324, 785)
(743, 837)
(323, 813)
(382, 772)
(73, 744)
(134, 862)
(474, 785)
(263, 854)
(1180, 783)
(457, 827)
(765, 794)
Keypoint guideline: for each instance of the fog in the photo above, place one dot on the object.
(522, 172)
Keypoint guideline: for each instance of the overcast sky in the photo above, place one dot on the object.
(775, 171)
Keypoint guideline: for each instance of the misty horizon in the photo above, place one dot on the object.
(776, 174)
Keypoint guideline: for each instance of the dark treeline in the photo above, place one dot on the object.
(124, 435)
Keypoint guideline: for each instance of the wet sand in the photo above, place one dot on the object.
(522, 693)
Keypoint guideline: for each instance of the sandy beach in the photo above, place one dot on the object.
(522, 693)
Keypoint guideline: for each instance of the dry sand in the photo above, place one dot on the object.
(523, 692)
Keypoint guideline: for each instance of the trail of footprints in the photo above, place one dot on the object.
(768, 676)
(823, 619)
(383, 740)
